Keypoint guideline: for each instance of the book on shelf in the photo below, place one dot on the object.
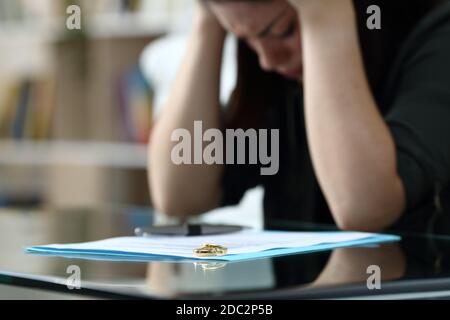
(134, 97)
(39, 118)
(18, 126)
(27, 109)
(7, 107)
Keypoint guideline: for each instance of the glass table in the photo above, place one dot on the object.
(418, 266)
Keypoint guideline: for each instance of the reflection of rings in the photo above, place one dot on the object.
(210, 250)
(210, 266)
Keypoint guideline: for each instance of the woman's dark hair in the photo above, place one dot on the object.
(256, 89)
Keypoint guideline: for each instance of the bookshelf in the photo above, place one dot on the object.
(75, 113)
(73, 153)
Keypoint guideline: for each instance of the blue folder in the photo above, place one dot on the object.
(145, 257)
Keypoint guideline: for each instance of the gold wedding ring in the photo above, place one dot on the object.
(210, 250)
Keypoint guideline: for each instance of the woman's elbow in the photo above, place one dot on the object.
(171, 208)
(366, 218)
(350, 223)
(371, 211)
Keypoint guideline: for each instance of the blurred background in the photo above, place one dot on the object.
(76, 112)
(76, 106)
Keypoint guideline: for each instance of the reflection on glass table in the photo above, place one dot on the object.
(417, 266)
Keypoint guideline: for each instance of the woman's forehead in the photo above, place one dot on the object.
(248, 17)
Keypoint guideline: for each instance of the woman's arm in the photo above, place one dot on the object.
(182, 190)
(350, 265)
(352, 150)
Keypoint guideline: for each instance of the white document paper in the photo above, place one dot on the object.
(244, 242)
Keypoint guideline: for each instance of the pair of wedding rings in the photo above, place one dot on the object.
(210, 250)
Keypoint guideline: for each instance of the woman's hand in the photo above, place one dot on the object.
(318, 4)
(205, 18)
(300, 3)
(322, 10)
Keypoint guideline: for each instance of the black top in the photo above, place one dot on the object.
(415, 102)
